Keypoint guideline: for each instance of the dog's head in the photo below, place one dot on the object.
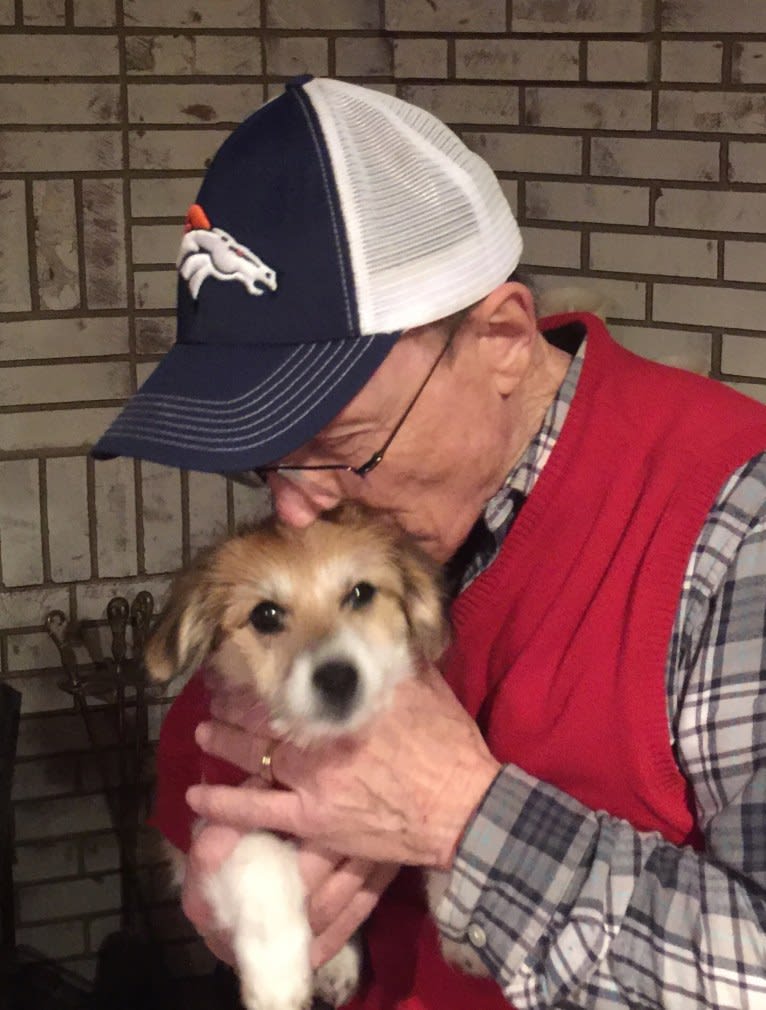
(320, 622)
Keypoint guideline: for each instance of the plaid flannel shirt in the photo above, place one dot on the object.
(573, 908)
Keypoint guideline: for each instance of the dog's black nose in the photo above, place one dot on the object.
(336, 681)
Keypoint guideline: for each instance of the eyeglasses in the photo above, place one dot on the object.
(257, 476)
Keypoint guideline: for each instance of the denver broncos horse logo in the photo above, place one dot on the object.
(212, 252)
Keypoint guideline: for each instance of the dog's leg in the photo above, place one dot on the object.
(337, 980)
(258, 896)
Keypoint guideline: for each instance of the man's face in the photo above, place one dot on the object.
(445, 462)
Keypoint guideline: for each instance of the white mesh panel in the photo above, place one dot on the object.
(429, 228)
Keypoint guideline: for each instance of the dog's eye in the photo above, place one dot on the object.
(360, 595)
(268, 618)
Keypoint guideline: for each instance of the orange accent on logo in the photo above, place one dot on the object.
(196, 218)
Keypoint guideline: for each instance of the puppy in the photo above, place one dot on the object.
(321, 623)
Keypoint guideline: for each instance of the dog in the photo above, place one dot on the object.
(321, 624)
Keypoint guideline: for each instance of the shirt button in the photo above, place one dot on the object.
(476, 935)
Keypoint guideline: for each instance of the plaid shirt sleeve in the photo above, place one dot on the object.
(572, 908)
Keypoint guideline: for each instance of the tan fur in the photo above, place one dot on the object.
(309, 573)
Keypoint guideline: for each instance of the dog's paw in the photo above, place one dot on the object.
(463, 957)
(336, 981)
(289, 999)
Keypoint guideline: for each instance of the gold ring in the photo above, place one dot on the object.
(266, 771)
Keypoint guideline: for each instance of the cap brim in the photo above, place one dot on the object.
(225, 408)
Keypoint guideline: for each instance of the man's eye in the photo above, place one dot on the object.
(360, 595)
(268, 618)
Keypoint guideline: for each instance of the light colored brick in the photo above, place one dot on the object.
(510, 188)
(52, 734)
(144, 370)
(745, 261)
(21, 608)
(293, 55)
(45, 860)
(323, 14)
(420, 57)
(713, 16)
(104, 238)
(618, 299)
(466, 103)
(250, 504)
(747, 161)
(654, 254)
(59, 103)
(446, 16)
(155, 289)
(156, 243)
(95, 13)
(63, 338)
(679, 348)
(364, 57)
(174, 149)
(743, 355)
(163, 197)
(115, 518)
(186, 14)
(748, 63)
(92, 597)
(56, 55)
(191, 103)
(21, 538)
(7, 12)
(67, 508)
(712, 111)
(155, 334)
(14, 269)
(60, 429)
(551, 247)
(207, 509)
(193, 54)
(58, 271)
(619, 61)
(711, 210)
(654, 158)
(528, 152)
(577, 201)
(63, 383)
(161, 517)
(592, 18)
(732, 308)
(69, 151)
(44, 12)
(693, 62)
(72, 897)
(518, 59)
(55, 940)
(589, 108)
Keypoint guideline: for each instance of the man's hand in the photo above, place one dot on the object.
(341, 892)
(402, 791)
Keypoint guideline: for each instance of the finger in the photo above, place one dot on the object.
(208, 851)
(237, 746)
(239, 708)
(316, 863)
(328, 900)
(249, 809)
(218, 944)
(351, 918)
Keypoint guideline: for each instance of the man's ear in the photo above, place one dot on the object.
(506, 325)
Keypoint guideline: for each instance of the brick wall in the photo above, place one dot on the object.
(627, 134)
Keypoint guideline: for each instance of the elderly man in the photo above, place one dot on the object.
(590, 767)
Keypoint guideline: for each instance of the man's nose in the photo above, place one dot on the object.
(298, 502)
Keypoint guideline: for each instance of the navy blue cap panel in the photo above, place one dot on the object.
(242, 407)
(269, 191)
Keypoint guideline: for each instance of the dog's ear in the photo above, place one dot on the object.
(188, 628)
(424, 601)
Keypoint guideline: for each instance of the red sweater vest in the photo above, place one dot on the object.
(560, 646)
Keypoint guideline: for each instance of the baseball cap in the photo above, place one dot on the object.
(331, 220)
